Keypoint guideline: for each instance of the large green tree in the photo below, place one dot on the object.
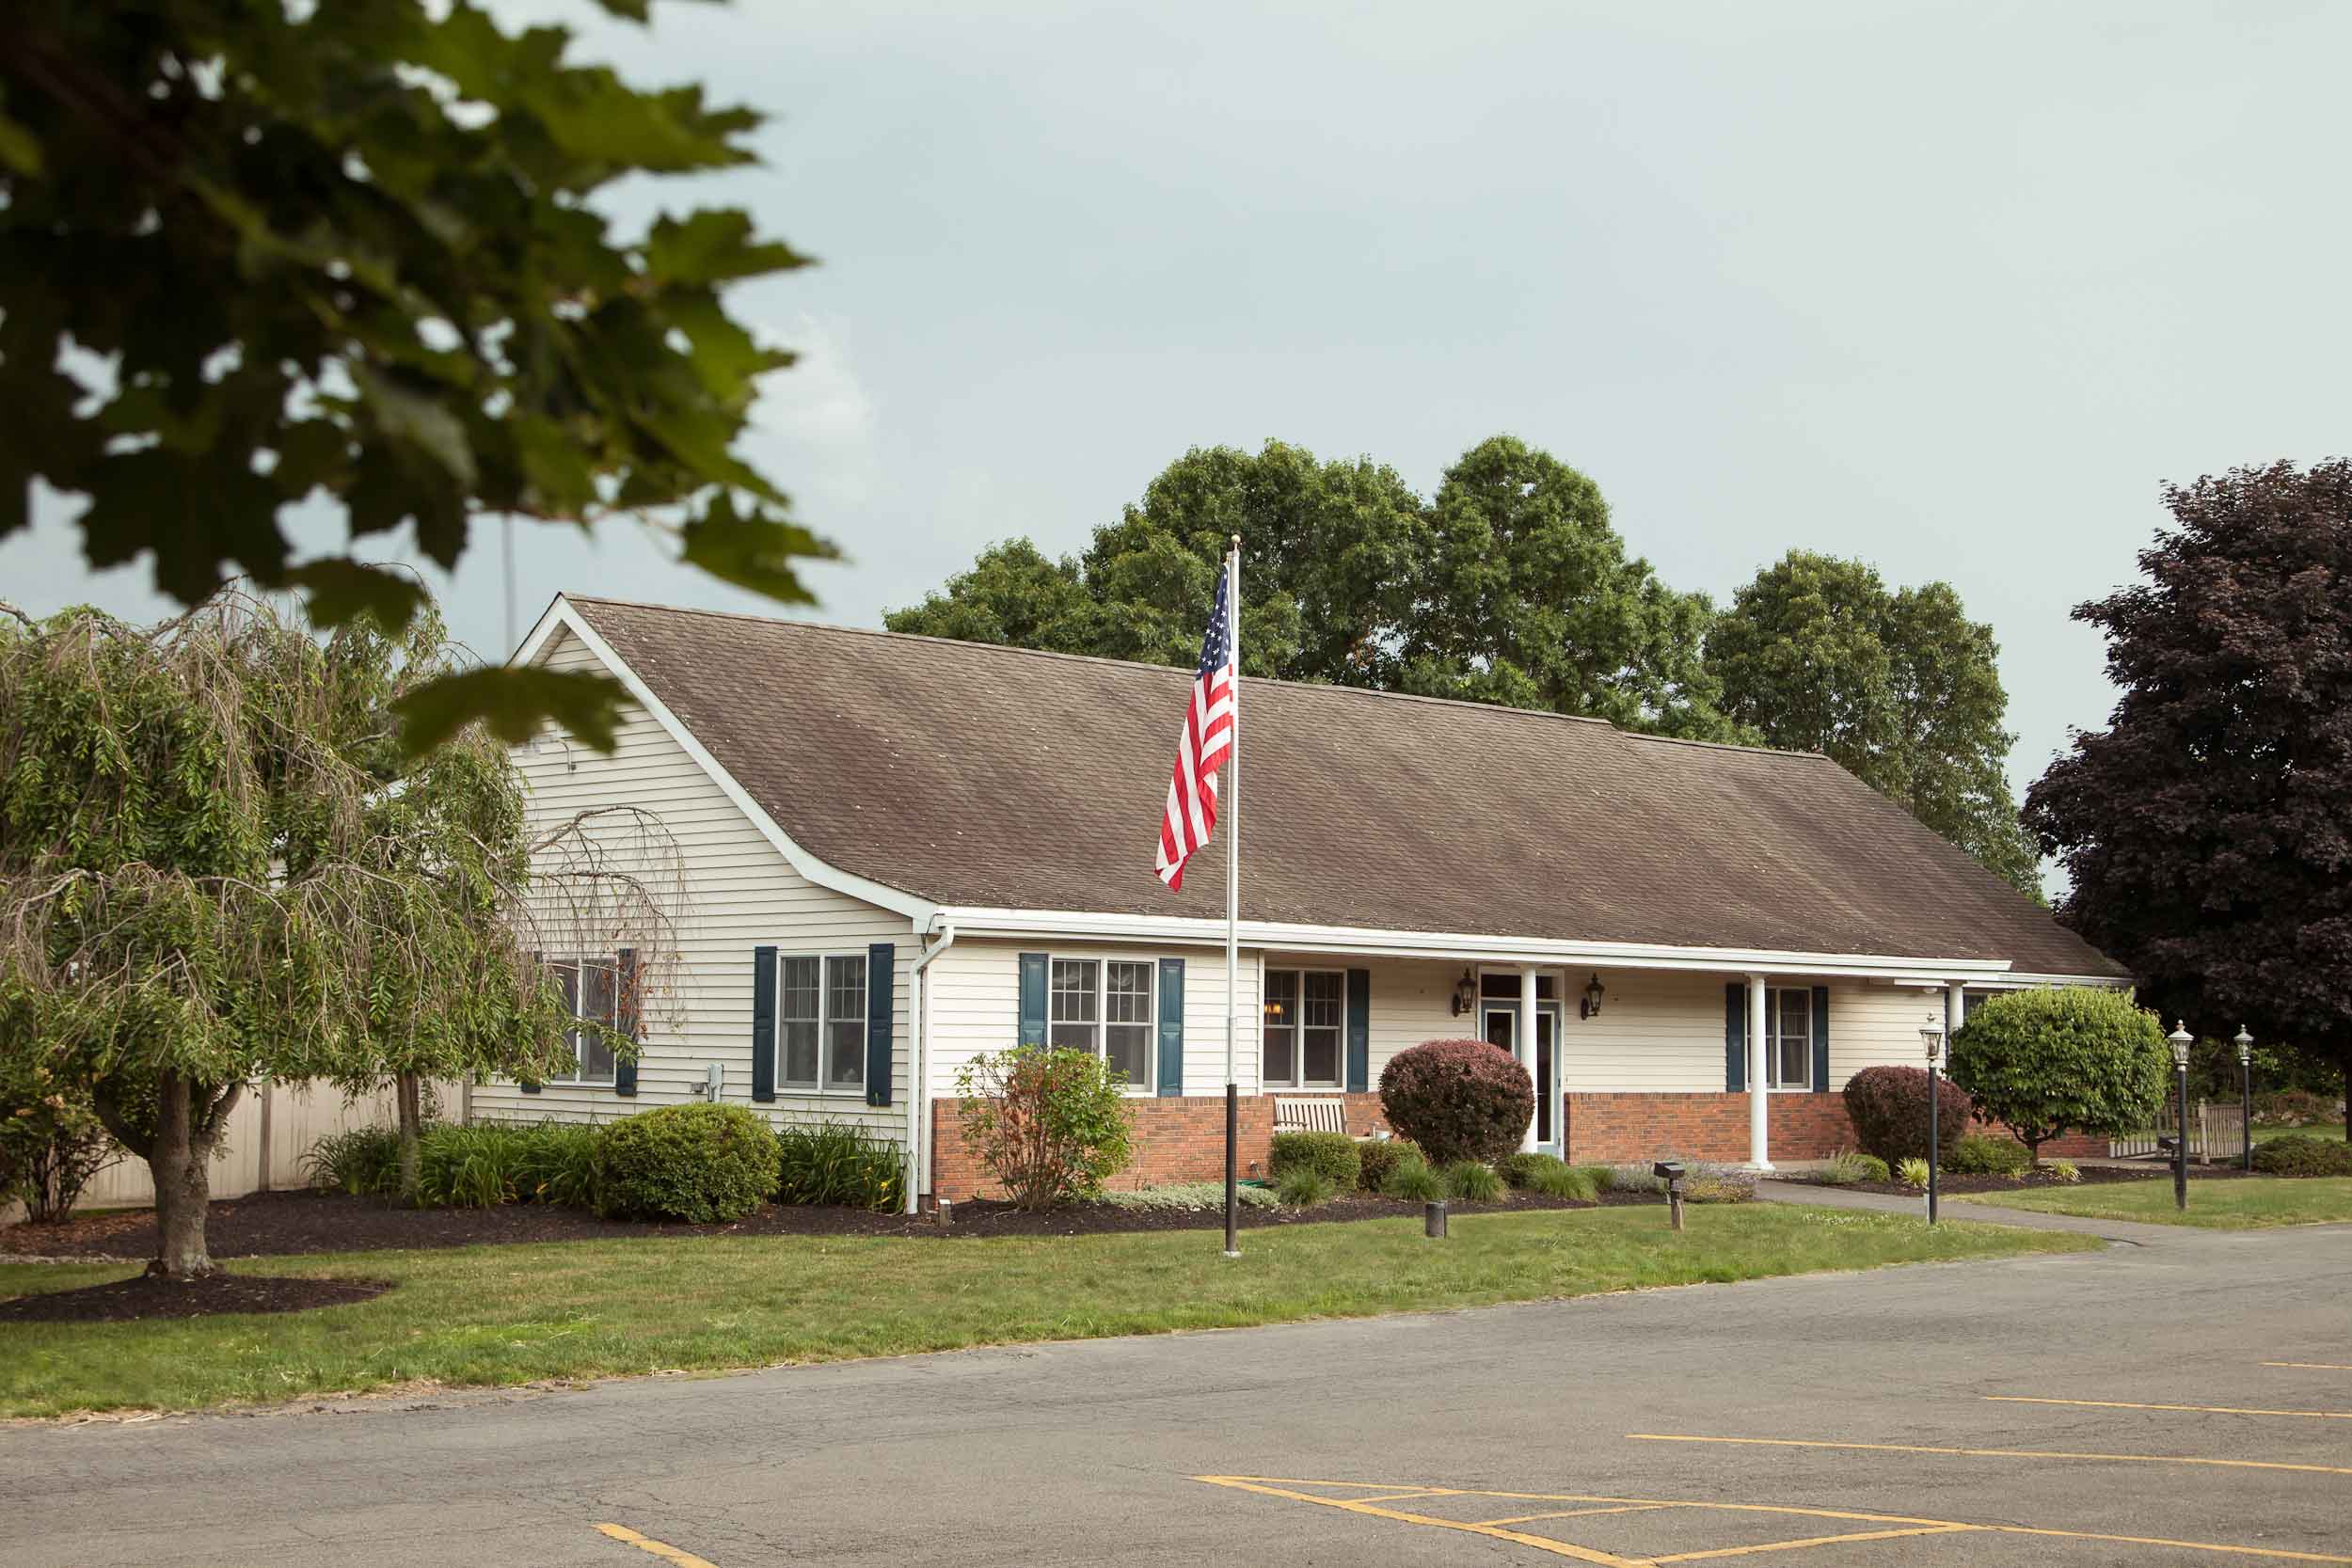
(1898, 685)
(1528, 597)
(257, 255)
(2208, 832)
(205, 883)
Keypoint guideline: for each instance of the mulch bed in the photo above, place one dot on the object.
(1952, 1185)
(145, 1297)
(273, 1224)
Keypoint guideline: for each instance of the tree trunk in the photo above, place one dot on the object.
(407, 1095)
(188, 1120)
(2348, 1097)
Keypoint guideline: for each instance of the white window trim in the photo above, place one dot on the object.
(1771, 1044)
(579, 995)
(1296, 1083)
(1148, 1085)
(821, 1089)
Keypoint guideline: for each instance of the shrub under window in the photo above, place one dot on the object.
(701, 1163)
(1335, 1154)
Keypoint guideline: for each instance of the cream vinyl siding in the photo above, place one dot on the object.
(741, 894)
(1877, 1026)
(974, 997)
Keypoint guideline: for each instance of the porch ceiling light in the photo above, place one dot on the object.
(2182, 1040)
(1465, 992)
(1593, 994)
(2245, 1043)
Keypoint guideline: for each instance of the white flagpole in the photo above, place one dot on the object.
(1228, 807)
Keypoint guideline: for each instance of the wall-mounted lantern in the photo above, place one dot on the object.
(1590, 1008)
(1465, 992)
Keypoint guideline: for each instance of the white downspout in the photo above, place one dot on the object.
(918, 1074)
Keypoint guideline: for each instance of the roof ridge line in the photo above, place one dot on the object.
(1133, 664)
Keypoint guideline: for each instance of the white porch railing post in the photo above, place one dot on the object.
(1526, 1033)
(1760, 1152)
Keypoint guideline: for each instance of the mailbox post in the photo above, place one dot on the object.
(1671, 1172)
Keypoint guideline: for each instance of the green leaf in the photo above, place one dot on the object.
(713, 246)
(514, 705)
(753, 551)
(405, 414)
(342, 590)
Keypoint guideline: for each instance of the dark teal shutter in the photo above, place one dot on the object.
(1820, 1040)
(1031, 1020)
(626, 1012)
(1736, 1038)
(882, 985)
(1172, 1026)
(538, 962)
(763, 1023)
(1358, 1030)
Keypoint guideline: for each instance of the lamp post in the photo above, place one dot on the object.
(2182, 1040)
(2245, 1043)
(1931, 1038)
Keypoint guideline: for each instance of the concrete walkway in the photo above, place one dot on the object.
(1951, 1209)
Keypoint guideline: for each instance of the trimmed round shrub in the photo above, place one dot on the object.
(2060, 1059)
(1413, 1181)
(1377, 1157)
(2300, 1154)
(1472, 1181)
(1849, 1166)
(1978, 1154)
(1580, 1182)
(1458, 1099)
(1332, 1154)
(1888, 1108)
(701, 1163)
(1303, 1187)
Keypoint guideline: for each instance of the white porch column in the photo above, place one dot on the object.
(1525, 1035)
(1955, 1013)
(1759, 1155)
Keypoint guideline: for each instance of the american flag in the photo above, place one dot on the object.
(1208, 738)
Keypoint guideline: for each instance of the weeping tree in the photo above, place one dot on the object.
(212, 875)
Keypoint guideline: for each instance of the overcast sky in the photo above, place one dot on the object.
(1952, 288)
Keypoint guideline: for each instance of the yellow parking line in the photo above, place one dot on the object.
(1813, 1541)
(2313, 1366)
(1352, 1505)
(1398, 1496)
(1993, 1453)
(1576, 1513)
(675, 1557)
(2194, 1409)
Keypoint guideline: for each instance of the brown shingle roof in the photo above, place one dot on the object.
(1006, 779)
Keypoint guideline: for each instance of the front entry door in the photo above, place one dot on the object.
(1503, 1030)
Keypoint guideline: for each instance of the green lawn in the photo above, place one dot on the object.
(2310, 1130)
(511, 1314)
(2248, 1203)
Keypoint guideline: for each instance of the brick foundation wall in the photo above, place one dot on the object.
(1182, 1138)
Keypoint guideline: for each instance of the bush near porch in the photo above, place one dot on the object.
(1458, 1099)
(1888, 1108)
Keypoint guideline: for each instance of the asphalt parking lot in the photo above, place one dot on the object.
(2179, 1402)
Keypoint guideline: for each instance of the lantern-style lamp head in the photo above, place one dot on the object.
(1465, 992)
(2182, 1040)
(1932, 1038)
(1592, 998)
(2245, 1043)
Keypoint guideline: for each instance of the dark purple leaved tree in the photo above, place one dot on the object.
(2208, 831)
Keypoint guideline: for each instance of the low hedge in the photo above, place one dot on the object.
(2300, 1154)
(1331, 1155)
(1978, 1154)
(700, 1164)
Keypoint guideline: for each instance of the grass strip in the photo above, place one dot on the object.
(2251, 1203)
(503, 1315)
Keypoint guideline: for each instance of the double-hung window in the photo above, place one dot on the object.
(1104, 1007)
(591, 993)
(1306, 1018)
(821, 1023)
(1788, 1039)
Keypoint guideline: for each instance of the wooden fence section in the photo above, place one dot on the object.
(2216, 1133)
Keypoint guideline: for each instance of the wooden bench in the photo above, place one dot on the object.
(1310, 1114)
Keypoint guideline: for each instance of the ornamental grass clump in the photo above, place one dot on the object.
(2062, 1170)
(1473, 1181)
(1051, 1126)
(1889, 1107)
(1304, 1186)
(834, 1163)
(1911, 1173)
(702, 1164)
(1458, 1099)
(1850, 1168)
(1413, 1181)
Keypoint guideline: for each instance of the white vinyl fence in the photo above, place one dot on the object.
(269, 1132)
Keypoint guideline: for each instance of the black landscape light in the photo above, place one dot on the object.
(2182, 1040)
(2245, 1043)
(1931, 1037)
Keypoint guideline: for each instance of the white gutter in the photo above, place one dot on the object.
(919, 1071)
(1471, 948)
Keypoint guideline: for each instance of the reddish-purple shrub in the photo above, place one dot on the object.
(1889, 1107)
(1458, 1099)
